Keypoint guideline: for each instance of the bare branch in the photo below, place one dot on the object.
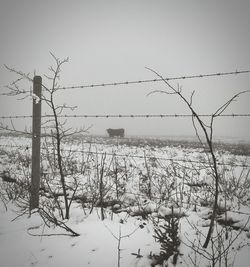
(13, 129)
(191, 98)
(221, 109)
(19, 73)
(160, 91)
(208, 133)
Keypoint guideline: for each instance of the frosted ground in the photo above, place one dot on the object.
(146, 183)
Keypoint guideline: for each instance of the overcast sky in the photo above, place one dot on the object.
(112, 41)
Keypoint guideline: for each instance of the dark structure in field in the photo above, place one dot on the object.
(116, 132)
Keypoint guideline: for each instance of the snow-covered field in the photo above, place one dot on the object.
(123, 194)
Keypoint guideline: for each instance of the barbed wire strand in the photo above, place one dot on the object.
(150, 157)
(155, 80)
(142, 81)
(126, 116)
(134, 156)
(17, 146)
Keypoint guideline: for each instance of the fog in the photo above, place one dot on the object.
(113, 41)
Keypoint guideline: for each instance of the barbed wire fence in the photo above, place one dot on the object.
(36, 117)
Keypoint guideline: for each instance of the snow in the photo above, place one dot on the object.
(36, 98)
(128, 227)
(95, 246)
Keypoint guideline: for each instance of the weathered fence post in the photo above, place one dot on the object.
(36, 135)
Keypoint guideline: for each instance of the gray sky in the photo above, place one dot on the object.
(111, 41)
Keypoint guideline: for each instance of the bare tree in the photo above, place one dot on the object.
(58, 131)
(54, 128)
(207, 130)
(119, 240)
(221, 250)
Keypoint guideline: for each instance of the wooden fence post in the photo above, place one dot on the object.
(36, 135)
